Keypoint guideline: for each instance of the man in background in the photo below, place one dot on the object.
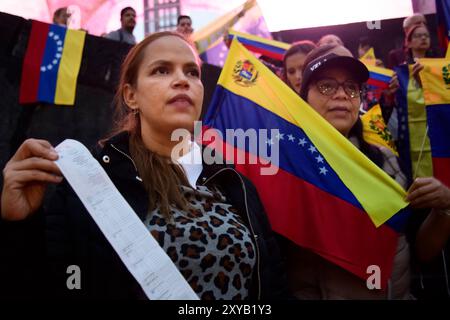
(184, 26)
(128, 22)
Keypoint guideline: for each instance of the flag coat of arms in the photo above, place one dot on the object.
(436, 91)
(51, 64)
(326, 195)
(270, 48)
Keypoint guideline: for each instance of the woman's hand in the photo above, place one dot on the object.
(25, 178)
(428, 192)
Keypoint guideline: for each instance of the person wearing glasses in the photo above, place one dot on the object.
(332, 85)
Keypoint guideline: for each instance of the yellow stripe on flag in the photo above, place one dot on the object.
(376, 191)
(248, 36)
(209, 34)
(69, 67)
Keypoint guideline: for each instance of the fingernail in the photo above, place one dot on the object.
(53, 154)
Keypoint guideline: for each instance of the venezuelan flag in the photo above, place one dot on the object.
(375, 130)
(326, 195)
(51, 64)
(270, 48)
(436, 85)
(413, 142)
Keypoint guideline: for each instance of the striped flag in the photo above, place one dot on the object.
(51, 64)
(326, 195)
(369, 57)
(270, 48)
(375, 130)
(211, 33)
(379, 77)
(210, 44)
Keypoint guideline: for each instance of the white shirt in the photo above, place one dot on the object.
(192, 163)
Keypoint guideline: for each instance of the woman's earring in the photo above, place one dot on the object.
(135, 111)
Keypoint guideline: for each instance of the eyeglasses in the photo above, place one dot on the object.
(420, 35)
(329, 87)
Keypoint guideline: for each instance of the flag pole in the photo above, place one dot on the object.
(420, 154)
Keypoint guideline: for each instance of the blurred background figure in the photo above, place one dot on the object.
(61, 17)
(184, 26)
(128, 22)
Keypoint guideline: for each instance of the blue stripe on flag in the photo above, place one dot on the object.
(50, 63)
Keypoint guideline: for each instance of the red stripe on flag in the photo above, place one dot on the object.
(31, 68)
(441, 170)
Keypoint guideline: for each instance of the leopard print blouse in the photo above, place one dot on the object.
(210, 245)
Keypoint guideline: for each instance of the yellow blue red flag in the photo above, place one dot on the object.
(270, 48)
(51, 64)
(326, 195)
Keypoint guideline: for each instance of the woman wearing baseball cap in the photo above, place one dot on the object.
(332, 82)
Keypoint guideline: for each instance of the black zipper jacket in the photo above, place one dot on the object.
(71, 237)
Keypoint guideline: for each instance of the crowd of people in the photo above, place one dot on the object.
(210, 221)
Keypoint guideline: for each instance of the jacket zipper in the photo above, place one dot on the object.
(255, 236)
(132, 161)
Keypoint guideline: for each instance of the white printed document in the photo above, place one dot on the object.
(139, 251)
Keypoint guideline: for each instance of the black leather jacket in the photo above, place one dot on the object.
(72, 237)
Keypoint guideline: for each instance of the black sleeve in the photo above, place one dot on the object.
(22, 257)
